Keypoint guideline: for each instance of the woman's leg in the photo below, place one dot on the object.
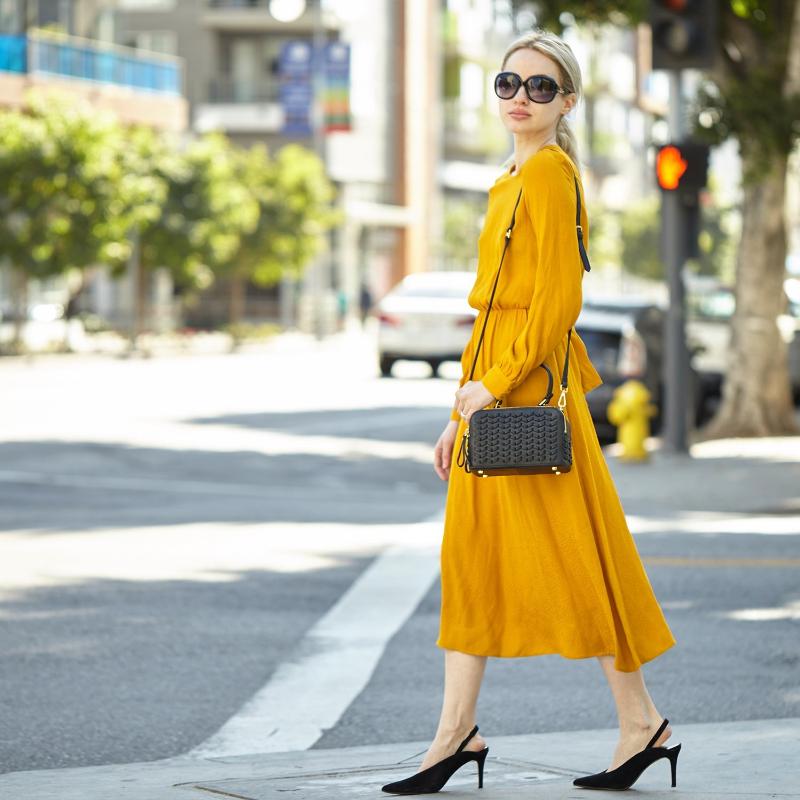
(463, 674)
(638, 716)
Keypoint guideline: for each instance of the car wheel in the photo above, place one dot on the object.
(657, 421)
(386, 364)
(435, 368)
(702, 414)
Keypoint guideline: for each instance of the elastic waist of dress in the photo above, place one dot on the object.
(506, 308)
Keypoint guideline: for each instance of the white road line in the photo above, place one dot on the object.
(310, 691)
(717, 522)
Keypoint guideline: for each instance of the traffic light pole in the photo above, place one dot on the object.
(676, 366)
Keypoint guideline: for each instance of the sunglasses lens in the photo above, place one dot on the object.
(542, 89)
(506, 85)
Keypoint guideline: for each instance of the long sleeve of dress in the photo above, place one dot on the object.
(549, 192)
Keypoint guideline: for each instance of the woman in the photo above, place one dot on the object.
(535, 564)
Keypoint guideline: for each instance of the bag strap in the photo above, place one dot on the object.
(586, 265)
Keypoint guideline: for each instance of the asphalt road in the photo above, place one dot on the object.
(171, 528)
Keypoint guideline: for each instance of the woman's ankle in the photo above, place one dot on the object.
(634, 727)
(452, 730)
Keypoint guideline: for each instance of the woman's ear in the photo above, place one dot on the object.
(569, 103)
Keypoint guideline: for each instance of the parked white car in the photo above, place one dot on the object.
(425, 317)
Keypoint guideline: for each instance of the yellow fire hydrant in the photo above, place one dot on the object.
(630, 410)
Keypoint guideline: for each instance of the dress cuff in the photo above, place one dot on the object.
(496, 382)
(455, 416)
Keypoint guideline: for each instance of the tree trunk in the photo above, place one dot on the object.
(236, 305)
(19, 302)
(756, 394)
(141, 284)
(70, 311)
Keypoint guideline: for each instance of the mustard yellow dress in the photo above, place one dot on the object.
(540, 564)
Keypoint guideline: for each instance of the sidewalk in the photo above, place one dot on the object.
(719, 478)
(720, 760)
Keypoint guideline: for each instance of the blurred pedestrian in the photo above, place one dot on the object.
(341, 308)
(364, 301)
(538, 564)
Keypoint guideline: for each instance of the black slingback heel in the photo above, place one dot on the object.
(434, 777)
(625, 775)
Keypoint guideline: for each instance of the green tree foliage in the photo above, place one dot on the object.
(78, 189)
(640, 229)
(206, 210)
(66, 198)
(293, 198)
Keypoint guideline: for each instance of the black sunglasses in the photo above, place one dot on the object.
(539, 88)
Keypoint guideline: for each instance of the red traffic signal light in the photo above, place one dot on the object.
(670, 166)
(682, 166)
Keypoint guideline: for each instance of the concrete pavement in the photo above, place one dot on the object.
(741, 760)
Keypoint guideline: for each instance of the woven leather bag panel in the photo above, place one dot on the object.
(521, 436)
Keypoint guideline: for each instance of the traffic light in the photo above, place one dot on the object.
(681, 171)
(684, 33)
(682, 167)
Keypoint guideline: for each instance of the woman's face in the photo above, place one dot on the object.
(519, 114)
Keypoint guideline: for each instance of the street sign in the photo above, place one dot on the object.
(296, 65)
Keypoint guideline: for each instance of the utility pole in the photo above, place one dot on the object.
(683, 37)
(676, 373)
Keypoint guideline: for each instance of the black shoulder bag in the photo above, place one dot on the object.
(519, 440)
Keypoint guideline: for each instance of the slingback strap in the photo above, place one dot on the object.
(463, 744)
(657, 733)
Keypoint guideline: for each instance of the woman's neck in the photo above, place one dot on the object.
(525, 148)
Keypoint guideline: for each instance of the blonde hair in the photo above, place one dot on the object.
(559, 51)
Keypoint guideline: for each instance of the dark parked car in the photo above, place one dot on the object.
(625, 339)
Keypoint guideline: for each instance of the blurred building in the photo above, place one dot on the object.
(421, 142)
(68, 45)
(65, 45)
(382, 159)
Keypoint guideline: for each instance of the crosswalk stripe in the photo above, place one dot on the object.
(310, 691)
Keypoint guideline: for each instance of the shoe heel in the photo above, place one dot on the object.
(480, 759)
(673, 761)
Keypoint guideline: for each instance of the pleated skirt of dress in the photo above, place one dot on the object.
(545, 564)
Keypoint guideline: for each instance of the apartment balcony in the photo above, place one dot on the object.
(139, 87)
(240, 106)
(236, 90)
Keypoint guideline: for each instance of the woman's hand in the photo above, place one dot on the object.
(472, 396)
(443, 451)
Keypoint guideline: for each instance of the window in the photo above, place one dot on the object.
(146, 5)
(156, 41)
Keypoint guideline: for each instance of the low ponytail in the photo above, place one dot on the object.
(565, 139)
